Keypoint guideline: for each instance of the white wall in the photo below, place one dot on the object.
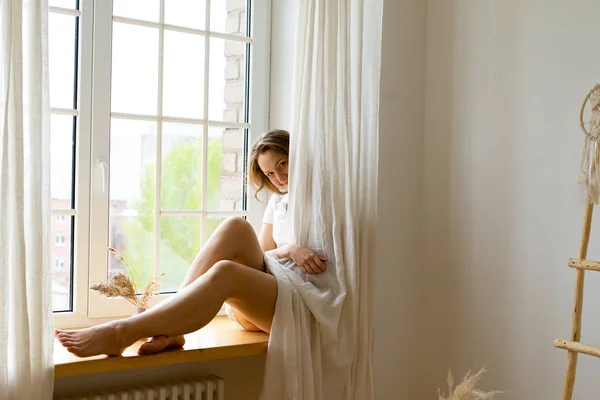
(398, 297)
(502, 210)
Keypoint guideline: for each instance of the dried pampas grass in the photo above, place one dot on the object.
(121, 285)
(466, 389)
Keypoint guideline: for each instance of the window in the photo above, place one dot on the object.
(59, 263)
(154, 104)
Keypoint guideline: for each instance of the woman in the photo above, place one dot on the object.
(230, 268)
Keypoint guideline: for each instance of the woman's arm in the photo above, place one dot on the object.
(286, 251)
(265, 238)
(306, 259)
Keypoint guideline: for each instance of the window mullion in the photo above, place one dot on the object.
(64, 111)
(159, 112)
(64, 11)
(204, 201)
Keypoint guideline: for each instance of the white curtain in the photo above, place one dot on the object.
(26, 339)
(321, 340)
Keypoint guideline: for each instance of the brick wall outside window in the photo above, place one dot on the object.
(233, 139)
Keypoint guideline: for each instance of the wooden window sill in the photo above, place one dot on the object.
(219, 339)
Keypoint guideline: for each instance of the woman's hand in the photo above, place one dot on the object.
(306, 259)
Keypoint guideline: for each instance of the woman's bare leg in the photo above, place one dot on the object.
(253, 292)
(233, 240)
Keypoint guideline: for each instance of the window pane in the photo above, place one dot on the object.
(62, 59)
(147, 10)
(227, 95)
(72, 4)
(225, 169)
(228, 16)
(183, 75)
(61, 158)
(132, 196)
(179, 244)
(61, 241)
(134, 69)
(211, 225)
(190, 13)
(181, 186)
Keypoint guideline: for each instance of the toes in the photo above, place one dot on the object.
(154, 345)
(67, 342)
(74, 350)
(58, 333)
(149, 348)
(63, 337)
(178, 342)
(67, 339)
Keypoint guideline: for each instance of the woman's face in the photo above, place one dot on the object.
(275, 167)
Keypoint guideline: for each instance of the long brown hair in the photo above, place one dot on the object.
(276, 140)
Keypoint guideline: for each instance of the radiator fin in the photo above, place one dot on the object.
(209, 388)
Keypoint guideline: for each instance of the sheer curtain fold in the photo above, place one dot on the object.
(26, 322)
(321, 340)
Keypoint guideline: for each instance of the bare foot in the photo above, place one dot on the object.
(102, 339)
(160, 343)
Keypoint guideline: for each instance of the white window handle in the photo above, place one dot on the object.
(104, 170)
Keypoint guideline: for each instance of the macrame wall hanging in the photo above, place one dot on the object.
(590, 159)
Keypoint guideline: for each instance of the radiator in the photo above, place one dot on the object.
(211, 388)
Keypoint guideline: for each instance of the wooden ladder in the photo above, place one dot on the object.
(574, 346)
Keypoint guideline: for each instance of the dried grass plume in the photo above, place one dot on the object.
(466, 389)
(122, 285)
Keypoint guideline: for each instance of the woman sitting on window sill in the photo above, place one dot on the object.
(231, 268)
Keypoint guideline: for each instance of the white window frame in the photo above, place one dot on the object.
(81, 213)
(91, 228)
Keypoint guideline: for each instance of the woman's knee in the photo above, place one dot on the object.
(236, 222)
(224, 275)
(235, 225)
(223, 271)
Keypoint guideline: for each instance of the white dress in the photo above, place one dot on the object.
(276, 214)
